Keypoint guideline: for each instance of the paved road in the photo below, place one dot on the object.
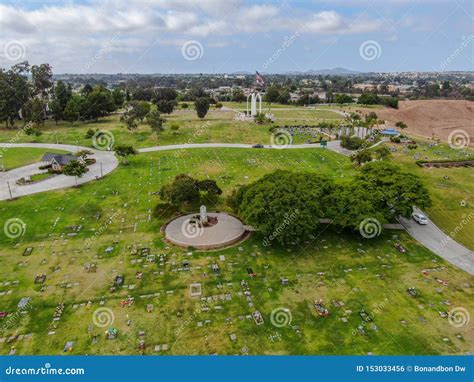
(437, 241)
(333, 145)
(109, 163)
(107, 158)
(430, 236)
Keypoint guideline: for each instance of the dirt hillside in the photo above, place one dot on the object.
(428, 117)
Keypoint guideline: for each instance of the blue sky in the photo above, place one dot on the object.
(199, 36)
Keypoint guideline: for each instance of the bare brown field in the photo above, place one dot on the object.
(428, 117)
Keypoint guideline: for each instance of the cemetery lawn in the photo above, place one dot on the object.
(19, 156)
(451, 189)
(365, 275)
(217, 127)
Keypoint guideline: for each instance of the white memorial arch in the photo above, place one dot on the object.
(254, 97)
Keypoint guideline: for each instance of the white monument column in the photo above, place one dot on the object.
(203, 214)
(253, 111)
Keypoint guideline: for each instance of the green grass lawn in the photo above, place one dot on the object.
(40, 176)
(18, 157)
(218, 126)
(366, 275)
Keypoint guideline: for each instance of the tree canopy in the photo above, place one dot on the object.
(165, 107)
(75, 168)
(185, 189)
(392, 190)
(267, 203)
(379, 191)
(202, 106)
(155, 121)
(124, 152)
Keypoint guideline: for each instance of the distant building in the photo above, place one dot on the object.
(58, 161)
(390, 132)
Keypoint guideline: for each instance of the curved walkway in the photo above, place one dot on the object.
(106, 159)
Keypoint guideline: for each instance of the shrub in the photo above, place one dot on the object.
(351, 143)
(31, 131)
(90, 133)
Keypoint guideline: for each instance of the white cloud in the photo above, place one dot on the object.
(73, 33)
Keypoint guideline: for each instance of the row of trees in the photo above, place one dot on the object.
(380, 191)
(141, 111)
(17, 91)
(36, 99)
(92, 104)
(371, 98)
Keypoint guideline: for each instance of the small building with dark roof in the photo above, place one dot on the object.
(58, 161)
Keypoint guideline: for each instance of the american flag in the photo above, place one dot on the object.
(259, 79)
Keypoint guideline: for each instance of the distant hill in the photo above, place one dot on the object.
(242, 73)
(335, 71)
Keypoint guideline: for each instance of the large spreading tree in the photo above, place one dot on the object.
(288, 206)
(15, 91)
(272, 200)
(393, 190)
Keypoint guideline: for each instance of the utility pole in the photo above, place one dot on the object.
(10, 191)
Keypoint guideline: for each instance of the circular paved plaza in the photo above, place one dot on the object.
(222, 230)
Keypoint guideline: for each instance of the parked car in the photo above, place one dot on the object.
(420, 218)
(258, 146)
